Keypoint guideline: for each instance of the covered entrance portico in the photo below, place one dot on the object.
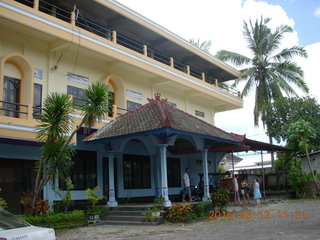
(153, 145)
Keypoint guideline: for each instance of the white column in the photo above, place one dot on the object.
(164, 177)
(206, 195)
(112, 196)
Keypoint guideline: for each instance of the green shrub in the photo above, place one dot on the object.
(220, 198)
(102, 211)
(149, 217)
(59, 220)
(180, 213)
(92, 195)
(66, 201)
(3, 203)
(202, 209)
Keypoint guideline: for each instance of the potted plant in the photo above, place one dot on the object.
(155, 211)
(93, 212)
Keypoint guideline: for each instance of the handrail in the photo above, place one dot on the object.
(54, 10)
(121, 39)
(129, 43)
(17, 104)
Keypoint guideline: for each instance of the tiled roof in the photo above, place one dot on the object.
(155, 115)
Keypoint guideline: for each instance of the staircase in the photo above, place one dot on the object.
(128, 215)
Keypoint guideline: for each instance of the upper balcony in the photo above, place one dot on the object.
(168, 53)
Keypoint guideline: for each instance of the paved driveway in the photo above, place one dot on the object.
(285, 219)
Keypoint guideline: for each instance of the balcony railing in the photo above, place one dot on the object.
(77, 19)
(27, 111)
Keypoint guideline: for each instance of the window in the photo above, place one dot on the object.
(174, 174)
(11, 96)
(77, 94)
(84, 172)
(111, 103)
(132, 105)
(199, 113)
(37, 99)
(136, 171)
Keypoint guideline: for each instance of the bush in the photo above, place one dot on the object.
(180, 213)
(59, 220)
(202, 209)
(149, 217)
(220, 198)
(41, 207)
(3, 203)
(102, 211)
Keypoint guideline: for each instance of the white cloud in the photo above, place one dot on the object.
(221, 22)
(317, 12)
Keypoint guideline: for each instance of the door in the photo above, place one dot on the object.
(16, 177)
(11, 96)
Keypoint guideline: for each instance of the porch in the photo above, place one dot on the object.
(153, 145)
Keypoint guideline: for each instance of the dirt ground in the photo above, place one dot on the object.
(278, 219)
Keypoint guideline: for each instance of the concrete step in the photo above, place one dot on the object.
(114, 222)
(126, 213)
(129, 208)
(124, 218)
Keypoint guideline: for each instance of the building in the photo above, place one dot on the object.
(62, 46)
(230, 161)
(315, 162)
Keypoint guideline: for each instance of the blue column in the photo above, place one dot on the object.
(156, 172)
(164, 177)
(112, 196)
(206, 195)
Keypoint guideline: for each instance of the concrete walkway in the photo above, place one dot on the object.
(277, 219)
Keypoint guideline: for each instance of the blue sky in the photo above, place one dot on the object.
(303, 12)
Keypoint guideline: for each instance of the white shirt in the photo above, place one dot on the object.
(236, 185)
(186, 180)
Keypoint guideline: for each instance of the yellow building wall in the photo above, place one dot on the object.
(55, 60)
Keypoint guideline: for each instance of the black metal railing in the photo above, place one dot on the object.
(100, 30)
(93, 27)
(11, 109)
(158, 56)
(180, 66)
(195, 73)
(55, 11)
(28, 3)
(129, 43)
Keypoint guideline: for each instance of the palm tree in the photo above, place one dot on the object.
(55, 128)
(271, 71)
(204, 46)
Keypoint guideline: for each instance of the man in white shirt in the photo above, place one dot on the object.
(236, 189)
(186, 185)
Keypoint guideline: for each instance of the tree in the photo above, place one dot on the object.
(271, 71)
(204, 46)
(301, 134)
(283, 112)
(55, 128)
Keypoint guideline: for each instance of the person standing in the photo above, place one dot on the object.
(256, 192)
(186, 185)
(245, 191)
(236, 189)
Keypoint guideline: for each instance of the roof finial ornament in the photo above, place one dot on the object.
(157, 96)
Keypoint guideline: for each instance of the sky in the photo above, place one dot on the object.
(221, 22)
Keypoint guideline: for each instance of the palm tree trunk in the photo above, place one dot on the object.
(310, 168)
(69, 139)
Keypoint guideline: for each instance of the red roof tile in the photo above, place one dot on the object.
(158, 114)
